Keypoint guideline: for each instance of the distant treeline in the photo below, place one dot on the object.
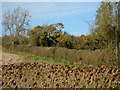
(55, 38)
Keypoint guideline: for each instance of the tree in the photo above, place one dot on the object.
(118, 35)
(104, 21)
(104, 27)
(16, 22)
(47, 34)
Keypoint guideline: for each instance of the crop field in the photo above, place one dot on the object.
(46, 75)
(21, 70)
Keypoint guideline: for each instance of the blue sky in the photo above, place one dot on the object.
(72, 14)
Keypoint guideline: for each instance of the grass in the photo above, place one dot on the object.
(33, 57)
(46, 59)
(57, 61)
(36, 58)
(71, 64)
(65, 62)
(17, 53)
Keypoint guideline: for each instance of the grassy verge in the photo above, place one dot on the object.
(36, 58)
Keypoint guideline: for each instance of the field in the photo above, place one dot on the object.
(26, 75)
(39, 72)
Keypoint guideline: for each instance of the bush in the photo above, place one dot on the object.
(97, 57)
(6, 42)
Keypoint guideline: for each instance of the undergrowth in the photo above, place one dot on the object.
(36, 58)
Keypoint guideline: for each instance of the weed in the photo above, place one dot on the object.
(33, 57)
(82, 65)
(77, 65)
(71, 64)
(46, 59)
(65, 63)
(57, 61)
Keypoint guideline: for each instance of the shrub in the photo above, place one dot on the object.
(97, 57)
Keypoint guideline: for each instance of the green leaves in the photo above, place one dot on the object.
(105, 24)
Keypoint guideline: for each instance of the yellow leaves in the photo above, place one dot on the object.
(62, 38)
(42, 37)
(85, 39)
(58, 39)
(32, 31)
(38, 27)
(35, 30)
(49, 33)
(79, 45)
(60, 24)
(57, 34)
(60, 33)
(48, 28)
(54, 28)
(82, 35)
(51, 25)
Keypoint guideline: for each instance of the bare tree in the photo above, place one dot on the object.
(16, 22)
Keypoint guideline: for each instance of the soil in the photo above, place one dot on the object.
(8, 58)
(19, 72)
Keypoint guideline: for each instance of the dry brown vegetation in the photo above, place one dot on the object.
(101, 57)
(50, 75)
(37, 74)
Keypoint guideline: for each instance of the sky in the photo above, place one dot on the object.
(74, 15)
